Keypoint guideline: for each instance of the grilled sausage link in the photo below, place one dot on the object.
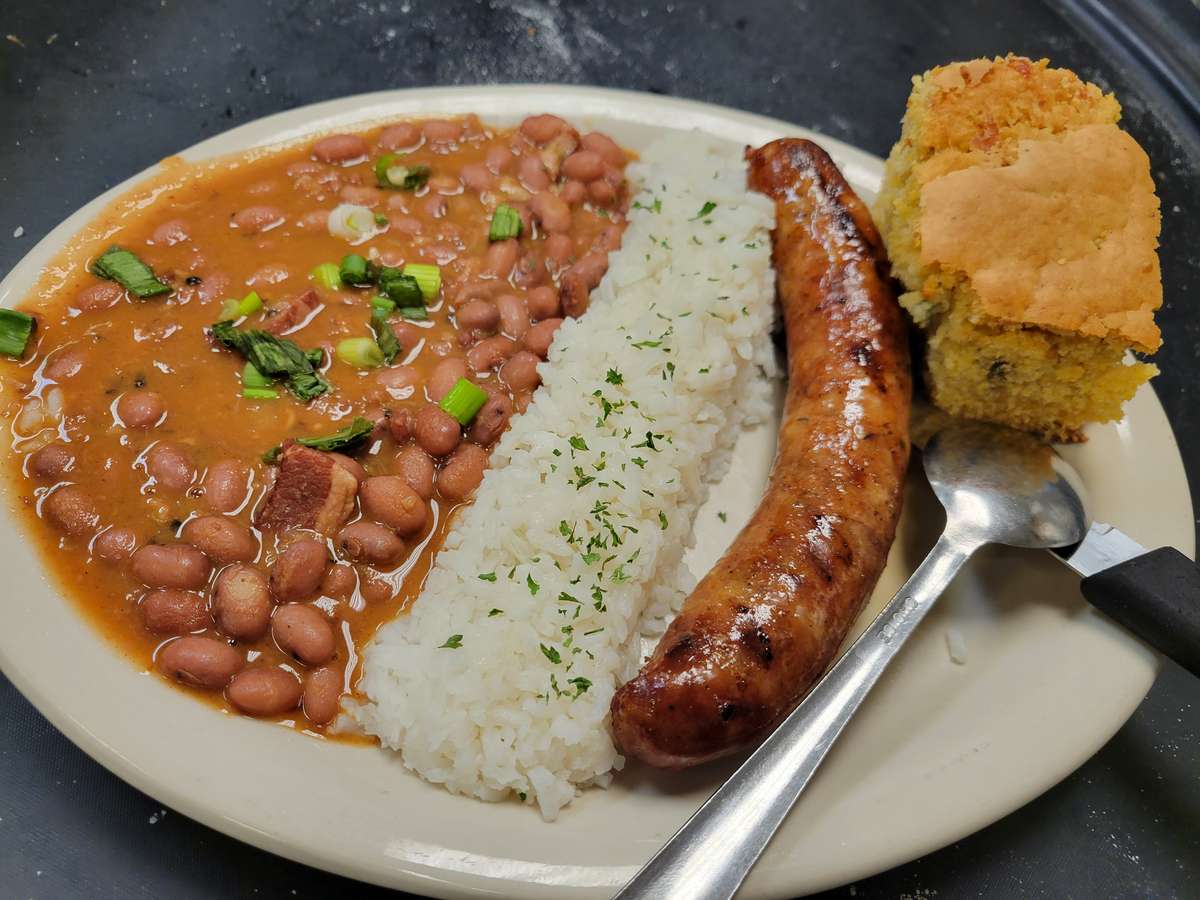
(763, 625)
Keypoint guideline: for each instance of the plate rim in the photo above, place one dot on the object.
(361, 111)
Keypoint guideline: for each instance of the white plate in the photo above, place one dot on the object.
(939, 750)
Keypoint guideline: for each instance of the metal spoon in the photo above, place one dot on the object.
(997, 486)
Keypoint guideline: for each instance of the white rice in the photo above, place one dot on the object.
(684, 318)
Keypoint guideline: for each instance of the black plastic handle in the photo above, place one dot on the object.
(1157, 597)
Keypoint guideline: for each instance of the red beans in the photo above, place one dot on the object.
(257, 219)
(171, 566)
(491, 420)
(98, 296)
(530, 270)
(375, 589)
(559, 248)
(370, 542)
(442, 131)
(297, 571)
(543, 128)
(573, 192)
(51, 461)
(226, 484)
(170, 468)
(401, 136)
(498, 159)
(242, 603)
(577, 282)
(400, 424)
(350, 465)
(542, 302)
(445, 375)
(322, 691)
(477, 178)
(340, 149)
(540, 336)
(389, 500)
(462, 472)
(71, 510)
(264, 691)
(170, 233)
(514, 317)
(415, 466)
(200, 661)
(436, 430)
(174, 612)
(408, 335)
(115, 544)
(339, 582)
(501, 256)
(478, 315)
(583, 165)
(361, 195)
(65, 364)
(221, 539)
(603, 146)
(141, 409)
(601, 192)
(520, 373)
(397, 383)
(532, 174)
(304, 632)
(489, 353)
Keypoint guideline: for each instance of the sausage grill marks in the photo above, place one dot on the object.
(256, 585)
(764, 624)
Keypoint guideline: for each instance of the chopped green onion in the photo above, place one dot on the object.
(238, 309)
(415, 313)
(380, 219)
(464, 400)
(360, 352)
(391, 175)
(15, 331)
(506, 223)
(257, 393)
(389, 346)
(252, 378)
(356, 271)
(401, 289)
(387, 304)
(328, 276)
(123, 266)
(428, 277)
(250, 304)
(276, 357)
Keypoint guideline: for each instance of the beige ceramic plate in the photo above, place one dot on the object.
(939, 750)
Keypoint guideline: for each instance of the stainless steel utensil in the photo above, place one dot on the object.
(998, 486)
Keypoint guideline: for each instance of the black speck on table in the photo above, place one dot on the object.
(92, 91)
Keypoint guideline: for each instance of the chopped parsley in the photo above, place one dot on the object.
(707, 208)
(614, 377)
(723, 517)
(493, 612)
(452, 643)
(662, 520)
(577, 442)
(551, 654)
(581, 684)
(534, 587)
(487, 576)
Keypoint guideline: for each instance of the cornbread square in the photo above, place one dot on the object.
(1024, 225)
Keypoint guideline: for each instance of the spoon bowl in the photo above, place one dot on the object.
(1005, 487)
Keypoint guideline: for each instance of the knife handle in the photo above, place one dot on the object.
(1157, 597)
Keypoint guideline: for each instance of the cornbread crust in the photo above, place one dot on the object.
(1024, 322)
(1063, 238)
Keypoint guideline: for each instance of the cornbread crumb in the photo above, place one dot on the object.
(1023, 223)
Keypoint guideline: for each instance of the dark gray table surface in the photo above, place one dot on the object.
(94, 91)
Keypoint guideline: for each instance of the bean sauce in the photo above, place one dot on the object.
(143, 498)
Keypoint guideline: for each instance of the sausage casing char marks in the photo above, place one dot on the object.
(765, 623)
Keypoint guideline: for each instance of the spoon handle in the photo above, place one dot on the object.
(710, 856)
